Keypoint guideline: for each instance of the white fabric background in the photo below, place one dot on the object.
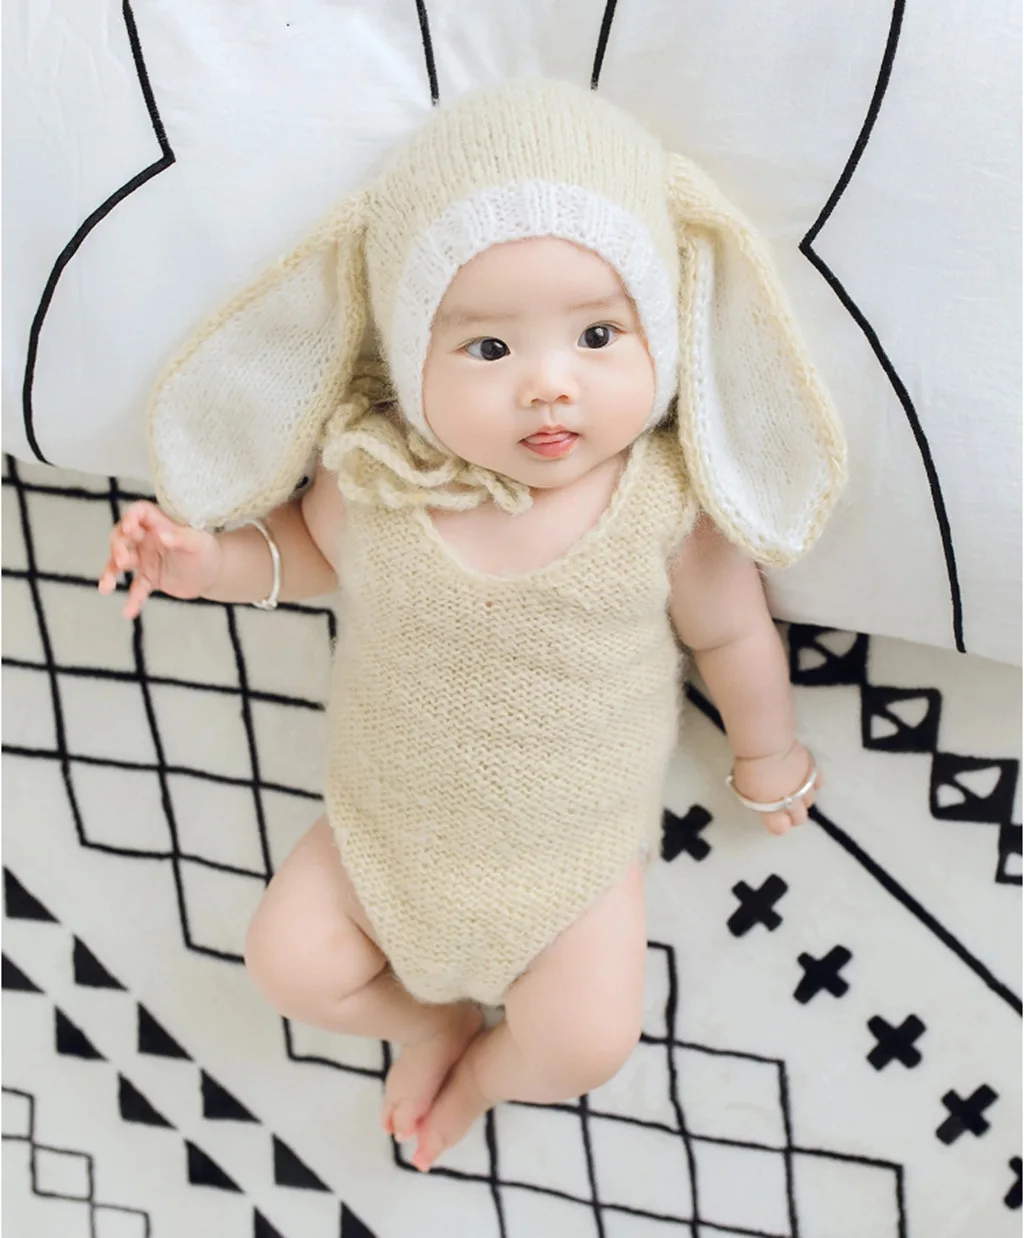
(273, 110)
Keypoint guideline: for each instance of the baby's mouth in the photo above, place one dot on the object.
(551, 443)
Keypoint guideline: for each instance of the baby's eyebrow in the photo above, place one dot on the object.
(457, 316)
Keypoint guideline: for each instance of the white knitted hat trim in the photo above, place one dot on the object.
(514, 212)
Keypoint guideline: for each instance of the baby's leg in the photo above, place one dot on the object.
(570, 1022)
(311, 952)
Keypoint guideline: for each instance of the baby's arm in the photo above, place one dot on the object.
(719, 610)
(306, 530)
(230, 567)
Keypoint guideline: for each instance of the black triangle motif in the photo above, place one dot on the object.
(899, 735)
(19, 904)
(261, 1227)
(15, 978)
(995, 808)
(290, 1171)
(218, 1103)
(89, 971)
(154, 1040)
(204, 1172)
(135, 1108)
(72, 1041)
(351, 1226)
(826, 668)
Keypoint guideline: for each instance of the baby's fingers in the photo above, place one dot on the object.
(778, 822)
(108, 577)
(123, 547)
(145, 517)
(137, 594)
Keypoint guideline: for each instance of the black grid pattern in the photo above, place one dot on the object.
(113, 498)
(694, 1208)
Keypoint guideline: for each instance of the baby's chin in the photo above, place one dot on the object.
(556, 474)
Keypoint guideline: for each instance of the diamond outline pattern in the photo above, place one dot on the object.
(115, 496)
(36, 1147)
(850, 668)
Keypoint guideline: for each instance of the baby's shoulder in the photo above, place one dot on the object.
(323, 509)
(665, 496)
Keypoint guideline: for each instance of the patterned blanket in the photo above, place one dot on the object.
(832, 1039)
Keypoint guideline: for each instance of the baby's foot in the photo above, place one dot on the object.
(458, 1105)
(422, 1067)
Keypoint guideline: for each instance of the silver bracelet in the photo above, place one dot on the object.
(783, 805)
(270, 601)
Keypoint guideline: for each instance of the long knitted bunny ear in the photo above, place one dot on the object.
(237, 414)
(763, 446)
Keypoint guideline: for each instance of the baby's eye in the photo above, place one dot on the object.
(598, 336)
(488, 349)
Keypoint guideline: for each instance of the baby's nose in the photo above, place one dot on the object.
(551, 381)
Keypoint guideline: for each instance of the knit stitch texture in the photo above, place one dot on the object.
(274, 376)
(498, 745)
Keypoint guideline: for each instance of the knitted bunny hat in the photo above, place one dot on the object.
(277, 373)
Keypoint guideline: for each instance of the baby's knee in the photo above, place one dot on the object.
(268, 956)
(305, 962)
(579, 1054)
(604, 1049)
(284, 968)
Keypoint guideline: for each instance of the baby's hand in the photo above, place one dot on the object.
(770, 779)
(163, 555)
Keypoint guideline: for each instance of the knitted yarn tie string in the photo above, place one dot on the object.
(379, 459)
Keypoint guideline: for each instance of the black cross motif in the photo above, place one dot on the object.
(682, 834)
(895, 1042)
(822, 974)
(1012, 1197)
(756, 906)
(966, 1115)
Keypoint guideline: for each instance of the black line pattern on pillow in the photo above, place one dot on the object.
(165, 160)
(898, 386)
(428, 50)
(602, 42)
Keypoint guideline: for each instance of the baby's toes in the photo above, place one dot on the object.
(429, 1147)
(405, 1117)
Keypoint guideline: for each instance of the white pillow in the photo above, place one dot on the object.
(892, 143)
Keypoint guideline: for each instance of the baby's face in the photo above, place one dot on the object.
(537, 368)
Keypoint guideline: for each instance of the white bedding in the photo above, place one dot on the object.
(159, 154)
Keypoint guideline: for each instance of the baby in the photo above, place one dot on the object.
(600, 419)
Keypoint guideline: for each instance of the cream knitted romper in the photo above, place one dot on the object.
(498, 745)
